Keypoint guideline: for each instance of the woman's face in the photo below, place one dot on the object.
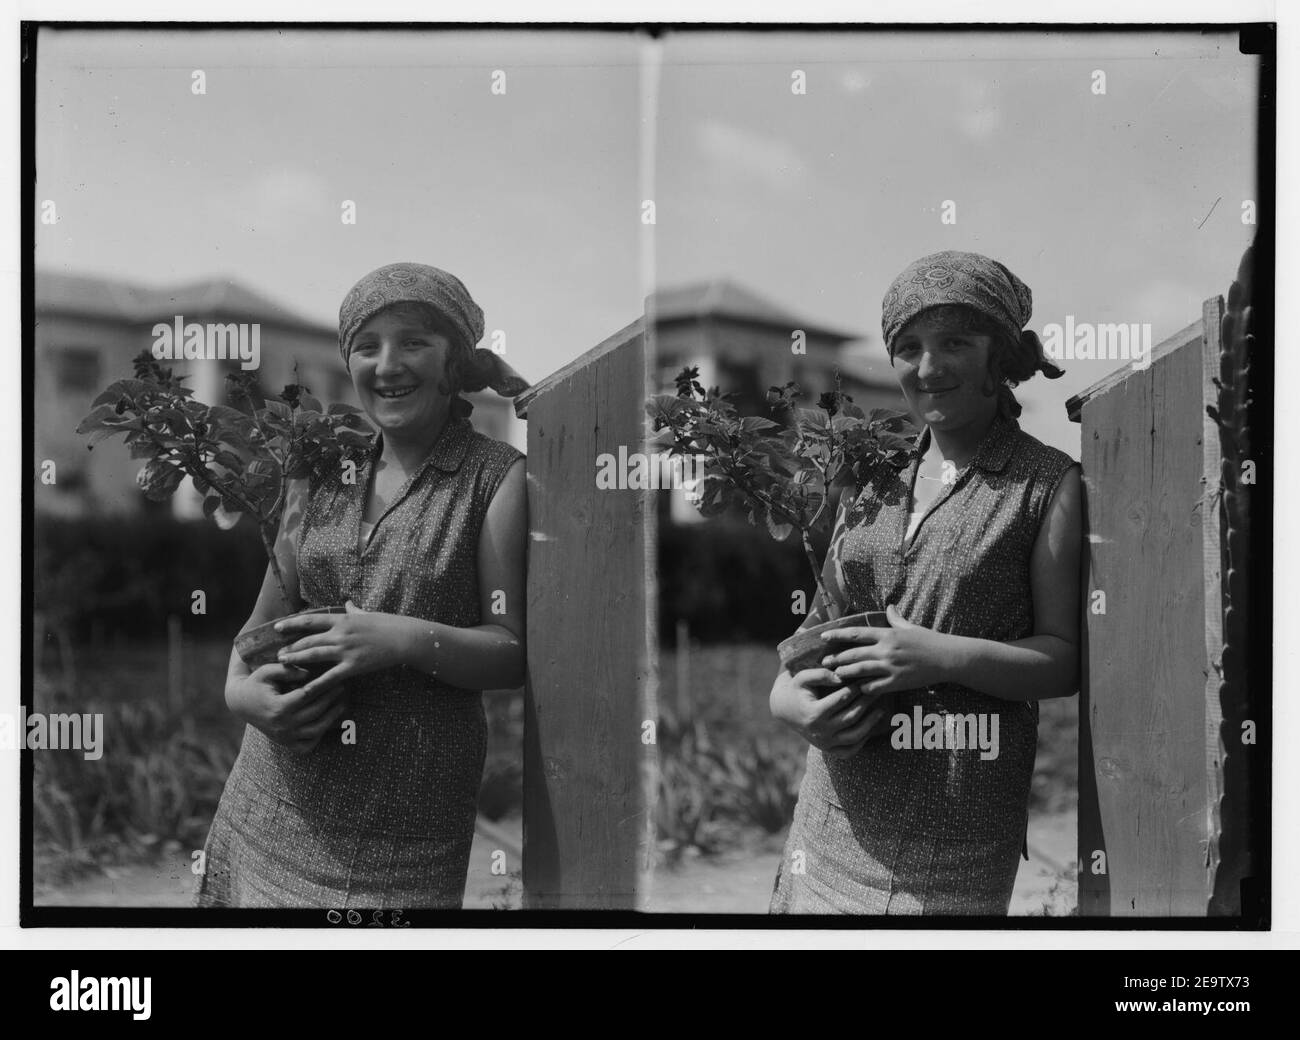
(399, 369)
(942, 369)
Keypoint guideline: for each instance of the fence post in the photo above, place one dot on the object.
(1148, 715)
(590, 722)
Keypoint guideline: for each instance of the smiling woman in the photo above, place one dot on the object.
(357, 781)
(981, 592)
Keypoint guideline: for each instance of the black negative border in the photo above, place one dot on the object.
(1254, 38)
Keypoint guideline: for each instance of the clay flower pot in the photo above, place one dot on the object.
(807, 648)
(261, 645)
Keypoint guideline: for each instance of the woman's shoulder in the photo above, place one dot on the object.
(1034, 455)
(491, 449)
(1041, 469)
(489, 461)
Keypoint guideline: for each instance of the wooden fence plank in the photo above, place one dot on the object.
(588, 770)
(1144, 793)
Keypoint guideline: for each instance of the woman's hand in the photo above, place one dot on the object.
(353, 643)
(836, 722)
(295, 719)
(881, 660)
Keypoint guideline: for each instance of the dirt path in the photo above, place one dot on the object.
(493, 880)
(741, 882)
(738, 882)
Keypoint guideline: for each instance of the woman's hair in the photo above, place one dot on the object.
(1009, 363)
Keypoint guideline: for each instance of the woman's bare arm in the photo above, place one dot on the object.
(491, 655)
(1045, 664)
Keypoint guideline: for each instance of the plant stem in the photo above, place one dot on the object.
(269, 545)
(831, 608)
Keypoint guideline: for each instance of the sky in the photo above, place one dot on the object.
(530, 196)
(1105, 205)
(1115, 207)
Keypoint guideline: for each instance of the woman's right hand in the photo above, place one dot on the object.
(269, 699)
(837, 722)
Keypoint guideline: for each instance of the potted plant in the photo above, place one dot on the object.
(785, 472)
(241, 459)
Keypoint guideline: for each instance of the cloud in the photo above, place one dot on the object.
(735, 152)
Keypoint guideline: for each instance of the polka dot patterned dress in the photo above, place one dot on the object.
(939, 830)
(386, 821)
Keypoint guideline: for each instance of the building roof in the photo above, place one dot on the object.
(721, 298)
(214, 298)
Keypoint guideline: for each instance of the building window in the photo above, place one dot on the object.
(77, 369)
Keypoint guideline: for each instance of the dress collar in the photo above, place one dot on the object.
(448, 451)
(994, 450)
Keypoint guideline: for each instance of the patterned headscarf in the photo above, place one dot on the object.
(479, 369)
(953, 277)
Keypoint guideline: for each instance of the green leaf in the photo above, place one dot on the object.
(141, 446)
(234, 440)
(778, 530)
(119, 389)
(96, 419)
(812, 419)
(894, 442)
(225, 518)
(229, 459)
(220, 414)
(279, 410)
(158, 480)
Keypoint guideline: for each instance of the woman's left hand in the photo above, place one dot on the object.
(354, 643)
(880, 660)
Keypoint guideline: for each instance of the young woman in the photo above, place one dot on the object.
(973, 551)
(357, 788)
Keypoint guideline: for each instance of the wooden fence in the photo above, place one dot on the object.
(590, 768)
(1152, 740)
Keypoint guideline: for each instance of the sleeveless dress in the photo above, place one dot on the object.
(386, 820)
(937, 830)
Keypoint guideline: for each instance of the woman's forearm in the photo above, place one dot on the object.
(1030, 669)
(488, 657)
(237, 670)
